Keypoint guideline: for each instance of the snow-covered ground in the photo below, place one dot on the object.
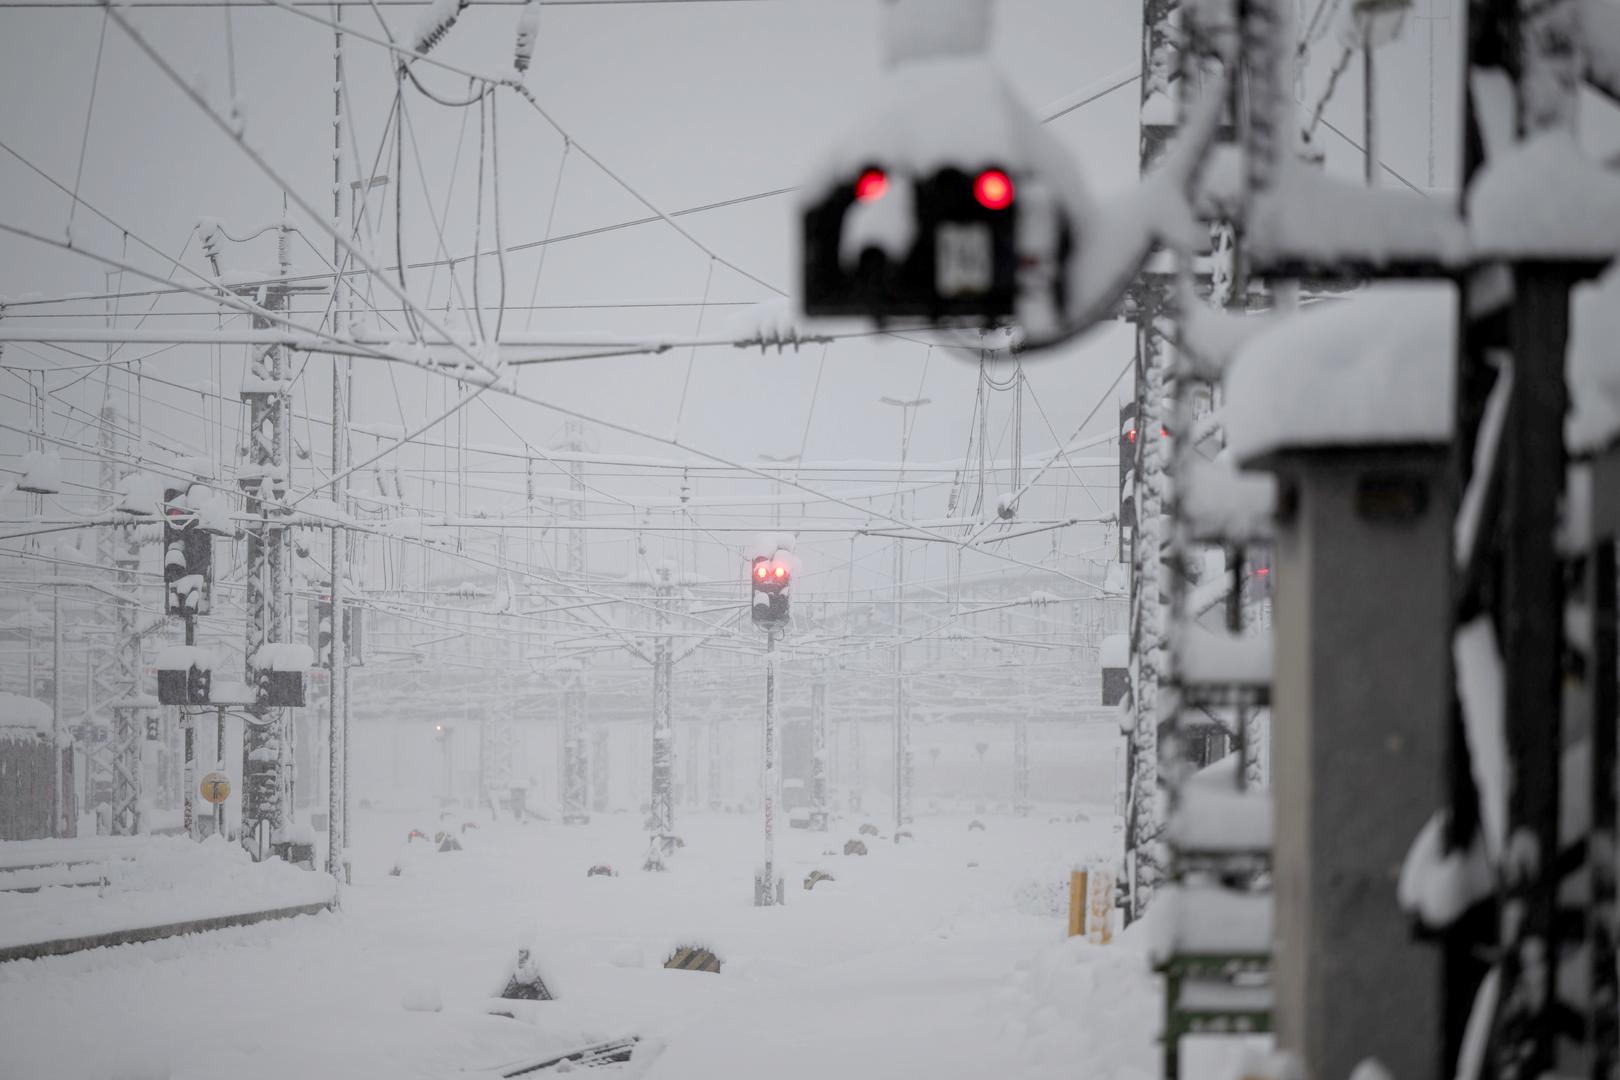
(942, 957)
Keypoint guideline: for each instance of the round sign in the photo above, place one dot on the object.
(216, 787)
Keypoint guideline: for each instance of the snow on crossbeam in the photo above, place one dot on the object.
(1209, 920)
(1216, 658)
(1215, 819)
(1545, 198)
(1372, 370)
(1222, 506)
(1308, 221)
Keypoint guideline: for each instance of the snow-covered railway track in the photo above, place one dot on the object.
(603, 1057)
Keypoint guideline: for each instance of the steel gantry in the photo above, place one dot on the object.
(264, 484)
(661, 818)
(576, 787)
(119, 683)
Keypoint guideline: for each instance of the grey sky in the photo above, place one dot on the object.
(690, 103)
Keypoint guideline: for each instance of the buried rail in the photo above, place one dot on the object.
(142, 934)
(608, 1053)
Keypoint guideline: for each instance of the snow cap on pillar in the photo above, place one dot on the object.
(1375, 370)
(928, 29)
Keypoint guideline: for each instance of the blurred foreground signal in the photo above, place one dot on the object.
(949, 201)
(948, 245)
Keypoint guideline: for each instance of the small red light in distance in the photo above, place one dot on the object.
(993, 189)
(760, 571)
(871, 185)
(781, 572)
(1130, 436)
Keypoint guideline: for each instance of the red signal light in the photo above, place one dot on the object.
(1130, 436)
(871, 185)
(760, 571)
(781, 572)
(993, 189)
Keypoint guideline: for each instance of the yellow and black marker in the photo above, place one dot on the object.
(691, 958)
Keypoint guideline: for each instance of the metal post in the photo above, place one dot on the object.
(262, 739)
(818, 746)
(1533, 464)
(1369, 106)
(767, 887)
(189, 769)
(1602, 1018)
(120, 549)
(336, 699)
(1021, 750)
(219, 766)
(576, 793)
(715, 764)
(662, 817)
(899, 698)
(58, 802)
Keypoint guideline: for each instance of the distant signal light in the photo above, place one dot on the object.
(871, 185)
(993, 189)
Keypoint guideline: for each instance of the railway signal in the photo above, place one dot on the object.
(772, 580)
(188, 557)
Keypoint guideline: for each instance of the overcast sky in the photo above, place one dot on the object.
(689, 103)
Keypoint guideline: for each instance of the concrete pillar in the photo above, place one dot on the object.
(1360, 699)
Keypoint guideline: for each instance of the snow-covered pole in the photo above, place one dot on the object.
(576, 800)
(899, 694)
(767, 891)
(119, 548)
(58, 800)
(818, 756)
(337, 702)
(662, 815)
(1021, 748)
(336, 698)
(1543, 57)
(188, 723)
(1157, 127)
(1143, 845)
(263, 482)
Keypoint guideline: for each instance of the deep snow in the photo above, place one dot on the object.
(942, 957)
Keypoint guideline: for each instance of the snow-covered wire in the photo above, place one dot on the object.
(534, 103)
(495, 195)
(478, 216)
(435, 22)
(264, 165)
